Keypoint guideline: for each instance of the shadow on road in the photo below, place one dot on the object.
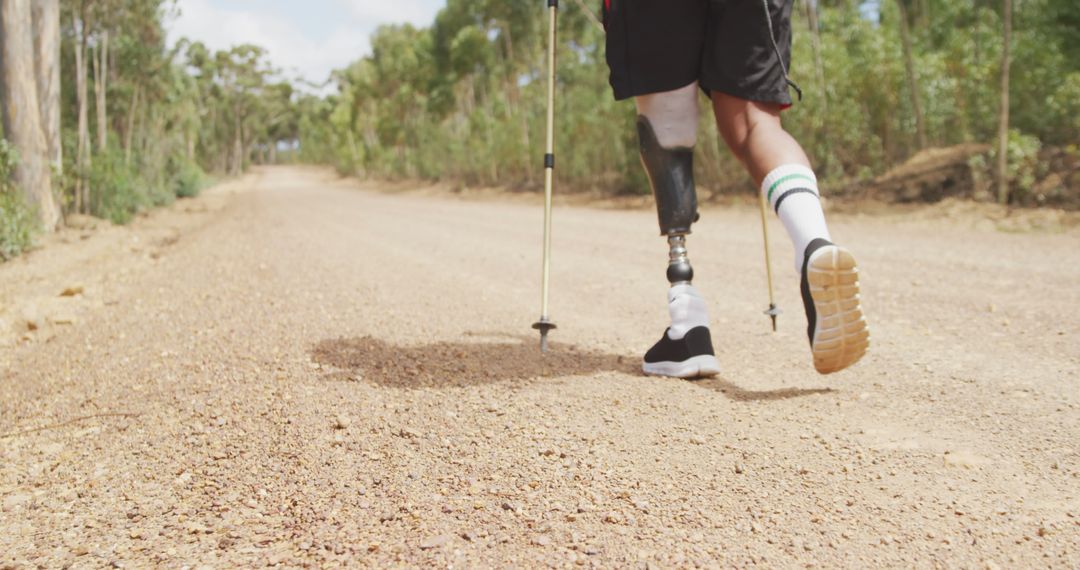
(461, 364)
(731, 390)
(494, 359)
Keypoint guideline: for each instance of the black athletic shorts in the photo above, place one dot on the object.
(661, 45)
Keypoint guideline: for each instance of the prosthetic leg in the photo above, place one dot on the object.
(671, 175)
(685, 350)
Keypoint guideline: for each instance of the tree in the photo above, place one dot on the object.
(21, 113)
(909, 65)
(83, 158)
(1003, 116)
(46, 16)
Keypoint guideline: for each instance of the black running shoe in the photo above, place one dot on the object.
(690, 357)
(837, 329)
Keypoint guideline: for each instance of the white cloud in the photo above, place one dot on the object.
(274, 26)
(416, 12)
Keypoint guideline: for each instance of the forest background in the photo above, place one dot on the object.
(102, 117)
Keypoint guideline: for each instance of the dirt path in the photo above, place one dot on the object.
(316, 374)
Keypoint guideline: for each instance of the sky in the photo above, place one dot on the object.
(305, 38)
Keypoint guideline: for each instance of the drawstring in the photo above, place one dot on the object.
(776, 50)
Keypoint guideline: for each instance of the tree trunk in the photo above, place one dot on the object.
(909, 65)
(1003, 117)
(238, 149)
(811, 7)
(129, 130)
(101, 87)
(82, 158)
(46, 16)
(20, 110)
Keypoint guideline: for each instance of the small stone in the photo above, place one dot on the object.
(591, 550)
(341, 422)
(697, 439)
(72, 291)
(542, 540)
(80, 550)
(434, 541)
(739, 468)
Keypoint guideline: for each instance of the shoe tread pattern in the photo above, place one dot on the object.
(841, 336)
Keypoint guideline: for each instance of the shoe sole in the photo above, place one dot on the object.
(701, 366)
(841, 336)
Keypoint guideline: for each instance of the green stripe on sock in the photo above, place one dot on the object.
(785, 179)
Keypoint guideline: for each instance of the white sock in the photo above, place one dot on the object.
(794, 188)
(673, 115)
(687, 310)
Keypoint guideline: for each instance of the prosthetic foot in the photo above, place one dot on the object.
(686, 349)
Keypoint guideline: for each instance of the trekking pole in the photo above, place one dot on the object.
(544, 324)
(773, 311)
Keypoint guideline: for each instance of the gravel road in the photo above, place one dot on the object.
(298, 371)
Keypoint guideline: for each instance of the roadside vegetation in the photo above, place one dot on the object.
(109, 121)
(463, 100)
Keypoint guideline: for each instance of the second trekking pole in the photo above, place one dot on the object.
(544, 324)
(773, 311)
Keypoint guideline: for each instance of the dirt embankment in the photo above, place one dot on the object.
(1049, 179)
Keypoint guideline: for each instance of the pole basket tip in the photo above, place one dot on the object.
(544, 325)
(773, 311)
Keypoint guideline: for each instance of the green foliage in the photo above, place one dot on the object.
(117, 197)
(188, 179)
(1022, 163)
(18, 225)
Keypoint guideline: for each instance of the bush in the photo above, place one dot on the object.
(1022, 163)
(17, 221)
(114, 194)
(188, 180)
